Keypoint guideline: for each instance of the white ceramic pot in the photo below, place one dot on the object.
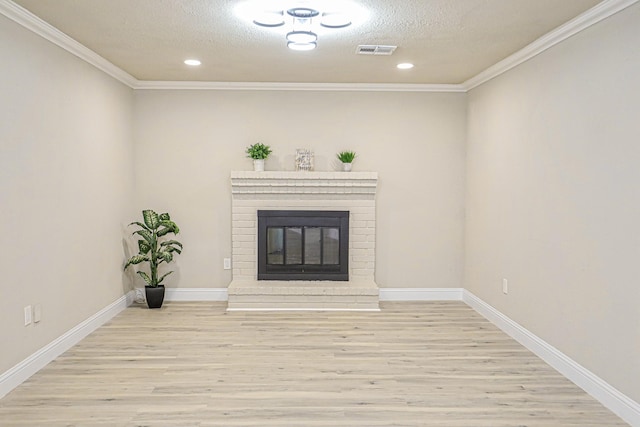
(258, 165)
(346, 167)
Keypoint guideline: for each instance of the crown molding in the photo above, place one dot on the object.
(591, 17)
(48, 32)
(31, 22)
(330, 87)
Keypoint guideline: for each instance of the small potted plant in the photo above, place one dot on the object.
(258, 152)
(155, 250)
(346, 157)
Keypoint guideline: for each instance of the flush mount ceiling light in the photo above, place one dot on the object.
(405, 66)
(192, 62)
(303, 20)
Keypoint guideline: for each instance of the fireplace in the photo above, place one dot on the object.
(303, 245)
(286, 282)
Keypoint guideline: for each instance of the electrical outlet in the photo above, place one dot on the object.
(37, 313)
(505, 286)
(27, 315)
(227, 263)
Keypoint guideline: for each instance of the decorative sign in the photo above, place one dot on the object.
(304, 159)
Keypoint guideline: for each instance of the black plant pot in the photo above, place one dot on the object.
(155, 296)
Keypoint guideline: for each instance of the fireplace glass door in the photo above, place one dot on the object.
(303, 245)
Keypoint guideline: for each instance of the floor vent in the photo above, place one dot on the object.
(375, 49)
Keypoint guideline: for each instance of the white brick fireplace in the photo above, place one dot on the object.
(347, 191)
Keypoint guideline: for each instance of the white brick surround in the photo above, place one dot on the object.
(350, 191)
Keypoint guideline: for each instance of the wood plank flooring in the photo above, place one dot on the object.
(194, 364)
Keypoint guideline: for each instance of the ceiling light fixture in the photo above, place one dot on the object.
(302, 37)
(270, 18)
(335, 20)
(192, 62)
(304, 23)
(405, 66)
(302, 46)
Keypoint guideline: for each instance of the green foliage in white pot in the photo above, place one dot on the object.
(258, 151)
(152, 248)
(346, 156)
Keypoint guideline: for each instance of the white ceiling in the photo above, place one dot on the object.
(449, 41)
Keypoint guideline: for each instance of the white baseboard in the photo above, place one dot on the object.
(196, 294)
(421, 294)
(38, 360)
(386, 294)
(304, 309)
(614, 400)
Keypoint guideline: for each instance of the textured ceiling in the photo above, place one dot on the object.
(449, 41)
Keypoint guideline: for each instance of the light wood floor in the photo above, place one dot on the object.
(194, 364)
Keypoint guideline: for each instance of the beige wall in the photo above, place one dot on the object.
(552, 197)
(415, 141)
(65, 189)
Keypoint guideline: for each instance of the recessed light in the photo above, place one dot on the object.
(192, 62)
(405, 66)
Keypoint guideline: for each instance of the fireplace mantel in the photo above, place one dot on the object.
(353, 184)
(288, 190)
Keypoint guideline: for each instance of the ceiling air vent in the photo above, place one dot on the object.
(375, 49)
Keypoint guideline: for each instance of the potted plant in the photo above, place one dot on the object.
(258, 152)
(346, 157)
(155, 250)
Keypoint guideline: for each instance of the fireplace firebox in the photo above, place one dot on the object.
(303, 245)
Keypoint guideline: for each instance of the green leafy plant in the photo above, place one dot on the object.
(346, 156)
(258, 151)
(152, 248)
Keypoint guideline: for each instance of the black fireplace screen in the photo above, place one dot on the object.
(303, 245)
